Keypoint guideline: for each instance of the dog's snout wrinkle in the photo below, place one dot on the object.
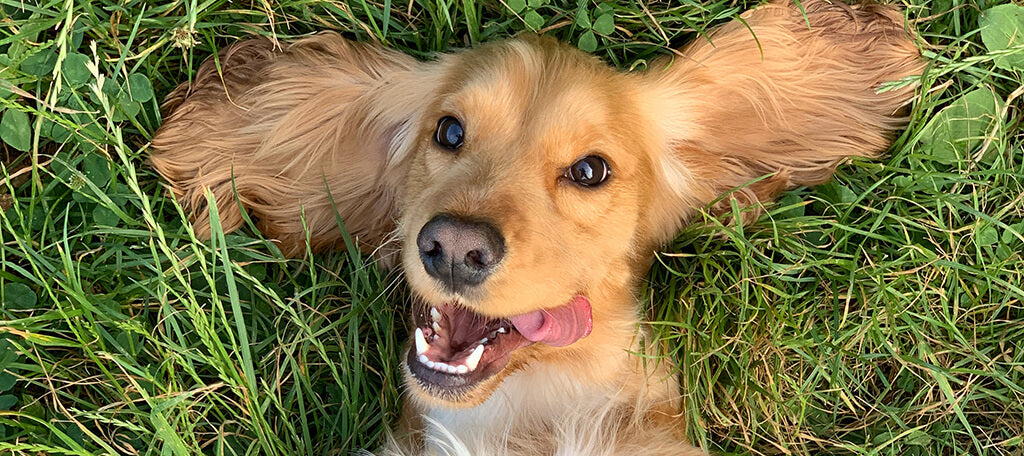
(459, 253)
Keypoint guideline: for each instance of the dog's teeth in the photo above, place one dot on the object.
(483, 341)
(461, 369)
(421, 342)
(502, 330)
(474, 358)
(451, 369)
(431, 364)
(437, 327)
(423, 359)
(434, 314)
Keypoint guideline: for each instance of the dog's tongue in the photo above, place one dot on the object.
(557, 327)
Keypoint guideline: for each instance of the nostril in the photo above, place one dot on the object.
(433, 250)
(477, 259)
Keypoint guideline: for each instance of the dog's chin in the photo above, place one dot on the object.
(458, 357)
(453, 391)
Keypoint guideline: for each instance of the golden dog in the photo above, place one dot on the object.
(528, 185)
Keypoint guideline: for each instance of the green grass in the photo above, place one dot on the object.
(880, 313)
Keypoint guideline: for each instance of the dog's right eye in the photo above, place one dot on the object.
(449, 133)
(589, 171)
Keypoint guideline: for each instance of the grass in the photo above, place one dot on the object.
(880, 313)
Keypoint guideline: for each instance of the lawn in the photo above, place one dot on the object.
(880, 313)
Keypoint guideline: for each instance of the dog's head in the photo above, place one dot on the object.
(540, 180)
(523, 213)
(528, 182)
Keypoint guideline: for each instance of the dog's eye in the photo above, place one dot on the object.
(589, 171)
(449, 133)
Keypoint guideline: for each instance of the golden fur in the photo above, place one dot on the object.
(327, 129)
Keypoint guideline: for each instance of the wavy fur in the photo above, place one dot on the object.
(776, 101)
(254, 124)
(793, 96)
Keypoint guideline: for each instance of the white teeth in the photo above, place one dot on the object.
(421, 343)
(469, 365)
(502, 330)
(474, 358)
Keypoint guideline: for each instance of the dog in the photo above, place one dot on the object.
(527, 186)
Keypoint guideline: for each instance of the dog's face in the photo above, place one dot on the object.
(522, 211)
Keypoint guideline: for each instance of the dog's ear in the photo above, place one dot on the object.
(300, 135)
(782, 95)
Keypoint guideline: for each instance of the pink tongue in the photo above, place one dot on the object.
(557, 327)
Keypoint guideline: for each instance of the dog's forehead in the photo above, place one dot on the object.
(535, 89)
(526, 70)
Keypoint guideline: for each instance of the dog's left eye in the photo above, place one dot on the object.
(589, 171)
(449, 133)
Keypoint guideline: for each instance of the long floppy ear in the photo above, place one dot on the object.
(288, 131)
(785, 93)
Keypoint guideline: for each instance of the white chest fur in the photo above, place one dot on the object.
(540, 411)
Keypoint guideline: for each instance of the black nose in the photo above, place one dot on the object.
(459, 253)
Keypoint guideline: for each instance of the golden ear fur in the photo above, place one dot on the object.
(789, 92)
(288, 129)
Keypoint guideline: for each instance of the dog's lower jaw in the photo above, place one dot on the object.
(594, 399)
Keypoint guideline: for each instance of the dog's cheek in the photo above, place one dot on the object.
(602, 220)
(419, 202)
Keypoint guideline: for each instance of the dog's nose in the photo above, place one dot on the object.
(458, 252)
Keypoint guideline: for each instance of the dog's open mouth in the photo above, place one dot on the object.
(455, 348)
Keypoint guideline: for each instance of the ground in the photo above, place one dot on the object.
(880, 313)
